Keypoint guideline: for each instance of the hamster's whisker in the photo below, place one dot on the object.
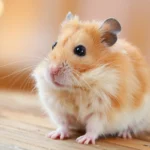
(46, 59)
(14, 79)
(19, 76)
(34, 57)
(25, 83)
(78, 82)
(17, 72)
(82, 79)
(76, 72)
(33, 89)
(15, 62)
(95, 91)
(75, 80)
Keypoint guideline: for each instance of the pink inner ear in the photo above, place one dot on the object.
(109, 38)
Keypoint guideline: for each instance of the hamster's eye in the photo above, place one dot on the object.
(53, 46)
(80, 50)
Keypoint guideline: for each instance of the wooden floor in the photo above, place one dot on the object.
(23, 126)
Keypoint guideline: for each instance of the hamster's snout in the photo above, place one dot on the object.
(54, 71)
(59, 74)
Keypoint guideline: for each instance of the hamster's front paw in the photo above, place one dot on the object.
(59, 134)
(88, 138)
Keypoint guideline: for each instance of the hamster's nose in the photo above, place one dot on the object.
(55, 70)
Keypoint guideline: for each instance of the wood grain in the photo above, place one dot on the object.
(24, 126)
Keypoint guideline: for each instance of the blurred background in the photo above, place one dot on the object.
(29, 27)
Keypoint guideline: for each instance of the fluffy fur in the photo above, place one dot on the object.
(105, 92)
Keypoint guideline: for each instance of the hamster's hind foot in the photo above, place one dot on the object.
(125, 134)
(86, 139)
(59, 134)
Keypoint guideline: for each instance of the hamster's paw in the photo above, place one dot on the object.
(59, 134)
(126, 134)
(86, 139)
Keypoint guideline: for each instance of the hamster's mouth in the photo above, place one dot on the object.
(56, 83)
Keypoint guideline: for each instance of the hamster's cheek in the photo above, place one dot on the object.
(47, 77)
(41, 71)
(46, 74)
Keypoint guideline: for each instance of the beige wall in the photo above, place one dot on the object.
(29, 27)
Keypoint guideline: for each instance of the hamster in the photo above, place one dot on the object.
(95, 82)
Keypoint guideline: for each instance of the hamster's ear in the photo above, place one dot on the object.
(69, 16)
(109, 30)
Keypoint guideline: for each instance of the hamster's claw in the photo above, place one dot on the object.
(125, 134)
(86, 139)
(58, 134)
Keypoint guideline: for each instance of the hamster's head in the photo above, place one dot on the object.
(79, 49)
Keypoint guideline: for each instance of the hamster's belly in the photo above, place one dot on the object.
(77, 114)
(136, 119)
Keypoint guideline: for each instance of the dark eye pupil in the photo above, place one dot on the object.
(80, 50)
(54, 45)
